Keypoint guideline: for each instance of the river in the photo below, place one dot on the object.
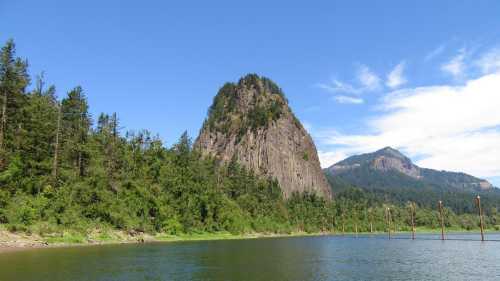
(293, 258)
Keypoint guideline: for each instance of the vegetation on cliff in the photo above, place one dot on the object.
(59, 171)
(268, 103)
(251, 121)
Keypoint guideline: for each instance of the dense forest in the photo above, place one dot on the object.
(62, 169)
(393, 186)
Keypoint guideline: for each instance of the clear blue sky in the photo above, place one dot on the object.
(158, 64)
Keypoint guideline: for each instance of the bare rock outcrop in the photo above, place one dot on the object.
(251, 121)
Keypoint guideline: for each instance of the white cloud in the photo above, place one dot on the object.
(490, 61)
(396, 78)
(368, 78)
(445, 127)
(337, 86)
(434, 53)
(348, 100)
(456, 66)
(328, 158)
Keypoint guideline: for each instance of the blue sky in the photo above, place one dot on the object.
(357, 73)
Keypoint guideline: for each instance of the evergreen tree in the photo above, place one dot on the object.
(76, 124)
(59, 173)
(13, 82)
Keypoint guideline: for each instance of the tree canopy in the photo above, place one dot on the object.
(61, 169)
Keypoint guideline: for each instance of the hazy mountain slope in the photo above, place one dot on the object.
(388, 168)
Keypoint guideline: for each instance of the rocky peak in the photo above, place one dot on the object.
(386, 159)
(391, 152)
(389, 160)
(252, 103)
(251, 120)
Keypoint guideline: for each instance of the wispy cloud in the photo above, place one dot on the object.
(456, 65)
(396, 78)
(336, 86)
(490, 61)
(444, 126)
(328, 158)
(366, 81)
(368, 78)
(434, 53)
(349, 100)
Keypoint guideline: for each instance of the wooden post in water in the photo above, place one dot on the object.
(370, 218)
(386, 221)
(440, 206)
(355, 219)
(481, 219)
(412, 216)
(343, 224)
(389, 222)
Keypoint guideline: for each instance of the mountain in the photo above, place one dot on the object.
(251, 122)
(389, 168)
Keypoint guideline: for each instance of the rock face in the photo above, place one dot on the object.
(251, 121)
(391, 159)
(390, 168)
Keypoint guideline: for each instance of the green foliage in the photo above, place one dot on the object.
(456, 190)
(64, 181)
(305, 156)
(266, 106)
(395, 187)
(172, 226)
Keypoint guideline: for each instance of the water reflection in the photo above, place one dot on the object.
(304, 258)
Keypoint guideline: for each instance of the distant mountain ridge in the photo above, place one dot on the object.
(388, 168)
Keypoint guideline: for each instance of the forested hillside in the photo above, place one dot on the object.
(63, 170)
(390, 176)
(60, 168)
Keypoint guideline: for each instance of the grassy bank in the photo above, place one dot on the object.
(25, 240)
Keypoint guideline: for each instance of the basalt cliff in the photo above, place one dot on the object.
(251, 122)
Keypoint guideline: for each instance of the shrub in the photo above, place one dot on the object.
(172, 226)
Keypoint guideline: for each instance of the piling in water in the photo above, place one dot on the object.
(413, 211)
(370, 218)
(441, 215)
(481, 219)
(388, 221)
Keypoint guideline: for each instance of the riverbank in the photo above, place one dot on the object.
(14, 241)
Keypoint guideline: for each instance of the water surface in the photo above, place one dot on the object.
(294, 258)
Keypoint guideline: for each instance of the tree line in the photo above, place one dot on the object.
(61, 169)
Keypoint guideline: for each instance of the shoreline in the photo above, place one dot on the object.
(13, 242)
(24, 241)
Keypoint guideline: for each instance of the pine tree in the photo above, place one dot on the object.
(39, 133)
(13, 82)
(76, 124)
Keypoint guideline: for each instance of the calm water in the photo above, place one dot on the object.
(299, 258)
